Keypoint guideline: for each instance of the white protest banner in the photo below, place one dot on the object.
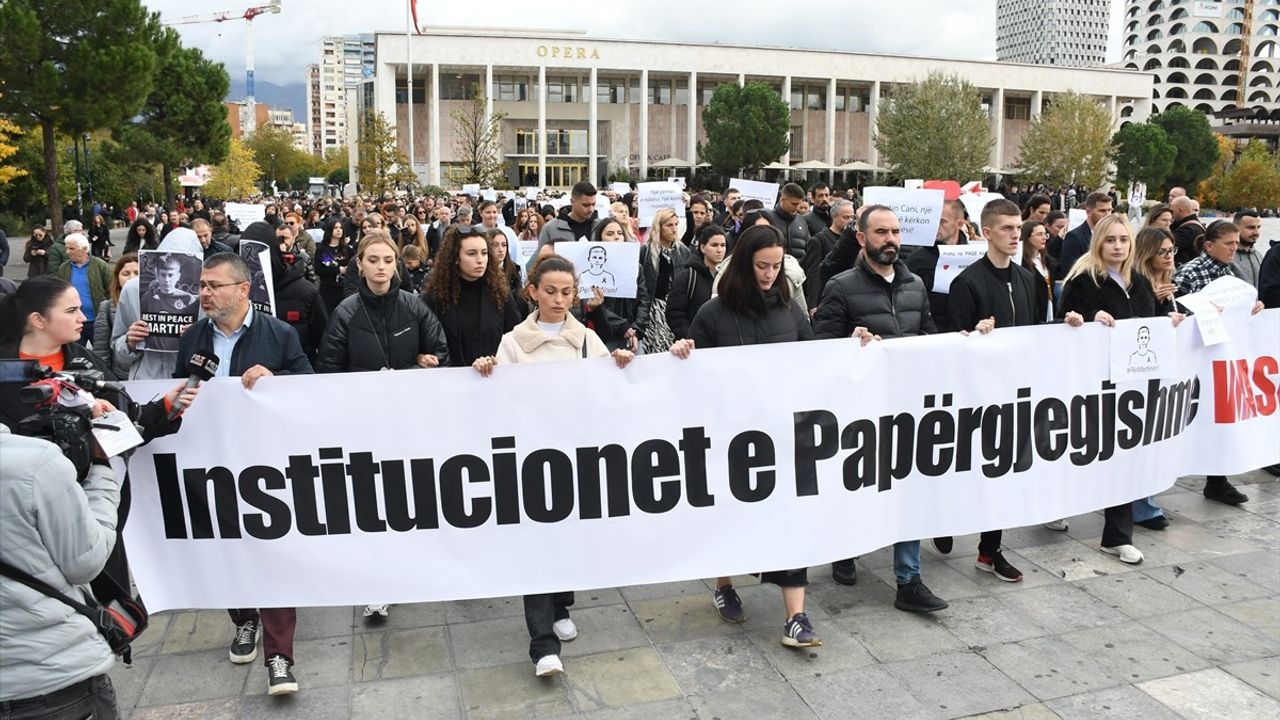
(951, 260)
(242, 214)
(975, 201)
(498, 501)
(919, 211)
(489, 194)
(560, 202)
(1225, 294)
(620, 188)
(602, 206)
(472, 189)
(915, 184)
(654, 196)
(168, 296)
(530, 192)
(1075, 218)
(1143, 348)
(765, 192)
(262, 290)
(610, 266)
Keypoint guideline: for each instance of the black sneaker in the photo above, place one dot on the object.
(915, 597)
(244, 646)
(845, 572)
(1272, 470)
(944, 544)
(1223, 492)
(728, 604)
(280, 679)
(1158, 522)
(798, 632)
(998, 566)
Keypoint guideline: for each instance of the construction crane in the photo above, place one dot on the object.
(248, 112)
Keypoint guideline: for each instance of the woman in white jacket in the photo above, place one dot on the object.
(550, 333)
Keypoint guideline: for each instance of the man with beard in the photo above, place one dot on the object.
(924, 261)
(879, 296)
(819, 218)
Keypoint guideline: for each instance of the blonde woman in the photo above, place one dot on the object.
(618, 211)
(661, 257)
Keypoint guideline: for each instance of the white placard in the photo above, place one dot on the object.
(654, 196)
(679, 181)
(245, 213)
(472, 189)
(915, 184)
(765, 192)
(530, 192)
(665, 495)
(621, 188)
(1226, 294)
(1076, 217)
(489, 194)
(559, 202)
(1143, 348)
(602, 206)
(974, 202)
(952, 259)
(918, 210)
(115, 433)
(610, 266)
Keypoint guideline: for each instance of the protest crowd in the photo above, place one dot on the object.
(326, 285)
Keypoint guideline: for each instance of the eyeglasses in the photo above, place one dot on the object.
(1165, 252)
(211, 286)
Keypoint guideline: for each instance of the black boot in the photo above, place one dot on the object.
(1217, 488)
(845, 572)
(915, 597)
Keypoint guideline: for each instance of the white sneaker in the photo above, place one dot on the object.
(1127, 553)
(548, 665)
(378, 610)
(565, 630)
(1059, 525)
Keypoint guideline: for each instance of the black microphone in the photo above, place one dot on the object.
(201, 367)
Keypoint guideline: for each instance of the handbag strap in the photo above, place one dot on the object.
(40, 586)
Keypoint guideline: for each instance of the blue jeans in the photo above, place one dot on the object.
(1145, 509)
(906, 560)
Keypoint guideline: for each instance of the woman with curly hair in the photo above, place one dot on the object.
(471, 295)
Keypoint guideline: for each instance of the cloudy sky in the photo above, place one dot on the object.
(287, 42)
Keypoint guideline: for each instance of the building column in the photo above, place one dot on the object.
(692, 140)
(433, 167)
(488, 92)
(997, 111)
(831, 129)
(873, 116)
(786, 99)
(1114, 109)
(1037, 104)
(593, 130)
(542, 126)
(644, 124)
(742, 80)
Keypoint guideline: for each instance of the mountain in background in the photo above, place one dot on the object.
(291, 95)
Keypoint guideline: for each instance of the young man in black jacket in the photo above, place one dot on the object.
(880, 297)
(250, 345)
(924, 263)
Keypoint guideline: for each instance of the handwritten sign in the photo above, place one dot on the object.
(654, 196)
(611, 266)
(952, 259)
(765, 192)
(1143, 348)
(974, 202)
(919, 211)
(489, 194)
(243, 214)
(1226, 294)
(472, 189)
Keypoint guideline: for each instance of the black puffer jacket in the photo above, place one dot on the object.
(630, 313)
(680, 255)
(793, 227)
(298, 301)
(717, 325)
(372, 332)
(689, 292)
(820, 245)
(980, 291)
(1087, 294)
(860, 297)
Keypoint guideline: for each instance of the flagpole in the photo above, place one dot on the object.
(408, 52)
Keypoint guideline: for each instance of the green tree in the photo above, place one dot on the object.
(747, 127)
(9, 131)
(1253, 182)
(1197, 151)
(234, 177)
(74, 66)
(1143, 153)
(183, 121)
(478, 140)
(934, 129)
(1070, 143)
(380, 166)
(280, 160)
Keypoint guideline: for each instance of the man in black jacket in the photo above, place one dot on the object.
(252, 346)
(820, 245)
(879, 296)
(819, 218)
(298, 300)
(1186, 229)
(924, 262)
(784, 217)
(1097, 206)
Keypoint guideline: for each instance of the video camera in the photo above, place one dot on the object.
(64, 406)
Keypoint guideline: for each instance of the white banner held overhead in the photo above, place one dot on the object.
(639, 490)
(242, 214)
(919, 210)
(765, 192)
(654, 196)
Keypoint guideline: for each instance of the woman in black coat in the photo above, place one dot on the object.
(693, 283)
(1035, 258)
(36, 254)
(141, 236)
(471, 295)
(1104, 287)
(330, 263)
(755, 307)
(500, 255)
(100, 237)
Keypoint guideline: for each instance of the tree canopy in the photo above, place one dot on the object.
(1196, 150)
(478, 140)
(1143, 153)
(1069, 143)
(747, 127)
(934, 129)
(234, 177)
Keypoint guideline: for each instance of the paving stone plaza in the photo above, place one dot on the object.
(1193, 632)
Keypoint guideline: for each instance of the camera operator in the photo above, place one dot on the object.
(42, 321)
